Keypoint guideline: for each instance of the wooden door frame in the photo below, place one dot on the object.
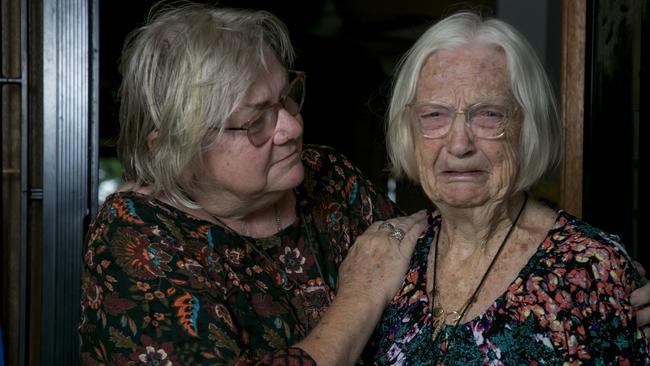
(572, 92)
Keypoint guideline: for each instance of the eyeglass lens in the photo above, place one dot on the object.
(485, 121)
(262, 128)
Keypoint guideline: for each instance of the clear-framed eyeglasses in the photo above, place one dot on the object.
(485, 120)
(261, 126)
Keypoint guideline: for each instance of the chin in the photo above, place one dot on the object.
(290, 179)
(462, 198)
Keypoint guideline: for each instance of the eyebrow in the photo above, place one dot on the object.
(266, 103)
(258, 105)
(497, 99)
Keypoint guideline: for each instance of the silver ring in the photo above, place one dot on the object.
(387, 225)
(397, 233)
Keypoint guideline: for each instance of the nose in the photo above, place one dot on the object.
(460, 140)
(287, 128)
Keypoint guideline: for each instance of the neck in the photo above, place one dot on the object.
(477, 229)
(258, 218)
(262, 222)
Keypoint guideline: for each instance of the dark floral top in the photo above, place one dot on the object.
(161, 287)
(569, 305)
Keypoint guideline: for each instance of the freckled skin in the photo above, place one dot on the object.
(459, 170)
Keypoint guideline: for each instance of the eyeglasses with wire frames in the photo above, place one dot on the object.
(261, 127)
(485, 120)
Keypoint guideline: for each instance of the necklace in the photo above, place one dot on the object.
(439, 314)
(278, 222)
(312, 300)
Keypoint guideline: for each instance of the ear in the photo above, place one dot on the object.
(151, 139)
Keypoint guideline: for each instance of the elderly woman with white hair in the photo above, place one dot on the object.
(498, 277)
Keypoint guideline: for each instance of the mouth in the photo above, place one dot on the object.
(463, 174)
(289, 157)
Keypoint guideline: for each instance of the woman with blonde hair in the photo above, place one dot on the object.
(227, 243)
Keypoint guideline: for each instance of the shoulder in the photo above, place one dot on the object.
(330, 176)
(134, 208)
(324, 159)
(327, 172)
(581, 236)
(592, 250)
(339, 195)
(131, 227)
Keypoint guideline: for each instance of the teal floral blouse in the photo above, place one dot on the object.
(569, 305)
(161, 287)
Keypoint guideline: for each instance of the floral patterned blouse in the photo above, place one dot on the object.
(569, 305)
(161, 287)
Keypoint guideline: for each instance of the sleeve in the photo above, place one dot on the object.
(611, 334)
(145, 301)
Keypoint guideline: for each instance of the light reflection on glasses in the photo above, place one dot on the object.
(485, 120)
(261, 127)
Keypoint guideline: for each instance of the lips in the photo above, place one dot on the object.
(287, 157)
(463, 174)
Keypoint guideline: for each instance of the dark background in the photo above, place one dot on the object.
(349, 50)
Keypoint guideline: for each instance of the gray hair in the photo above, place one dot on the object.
(540, 143)
(183, 73)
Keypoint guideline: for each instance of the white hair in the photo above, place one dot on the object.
(540, 143)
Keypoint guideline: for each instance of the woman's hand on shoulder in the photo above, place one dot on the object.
(640, 299)
(376, 263)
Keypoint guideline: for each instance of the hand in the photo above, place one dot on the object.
(640, 299)
(377, 262)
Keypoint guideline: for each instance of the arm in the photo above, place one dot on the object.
(611, 328)
(145, 298)
(640, 299)
(369, 277)
(136, 312)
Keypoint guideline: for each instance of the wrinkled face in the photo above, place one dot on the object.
(247, 171)
(458, 169)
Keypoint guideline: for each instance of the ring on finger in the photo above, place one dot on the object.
(387, 225)
(397, 233)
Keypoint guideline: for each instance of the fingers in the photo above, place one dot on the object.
(378, 260)
(643, 320)
(641, 297)
(403, 230)
(640, 269)
(416, 225)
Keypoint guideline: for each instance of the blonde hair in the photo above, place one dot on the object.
(540, 143)
(183, 73)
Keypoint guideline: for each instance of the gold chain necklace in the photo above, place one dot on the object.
(439, 314)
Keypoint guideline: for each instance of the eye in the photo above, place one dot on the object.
(488, 116)
(433, 116)
(258, 123)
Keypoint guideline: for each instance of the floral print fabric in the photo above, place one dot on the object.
(161, 287)
(568, 306)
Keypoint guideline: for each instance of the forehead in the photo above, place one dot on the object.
(463, 74)
(268, 84)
